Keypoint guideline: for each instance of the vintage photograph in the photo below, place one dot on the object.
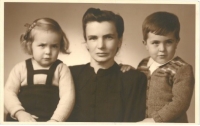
(100, 62)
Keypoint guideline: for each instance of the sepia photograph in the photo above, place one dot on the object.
(93, 62)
